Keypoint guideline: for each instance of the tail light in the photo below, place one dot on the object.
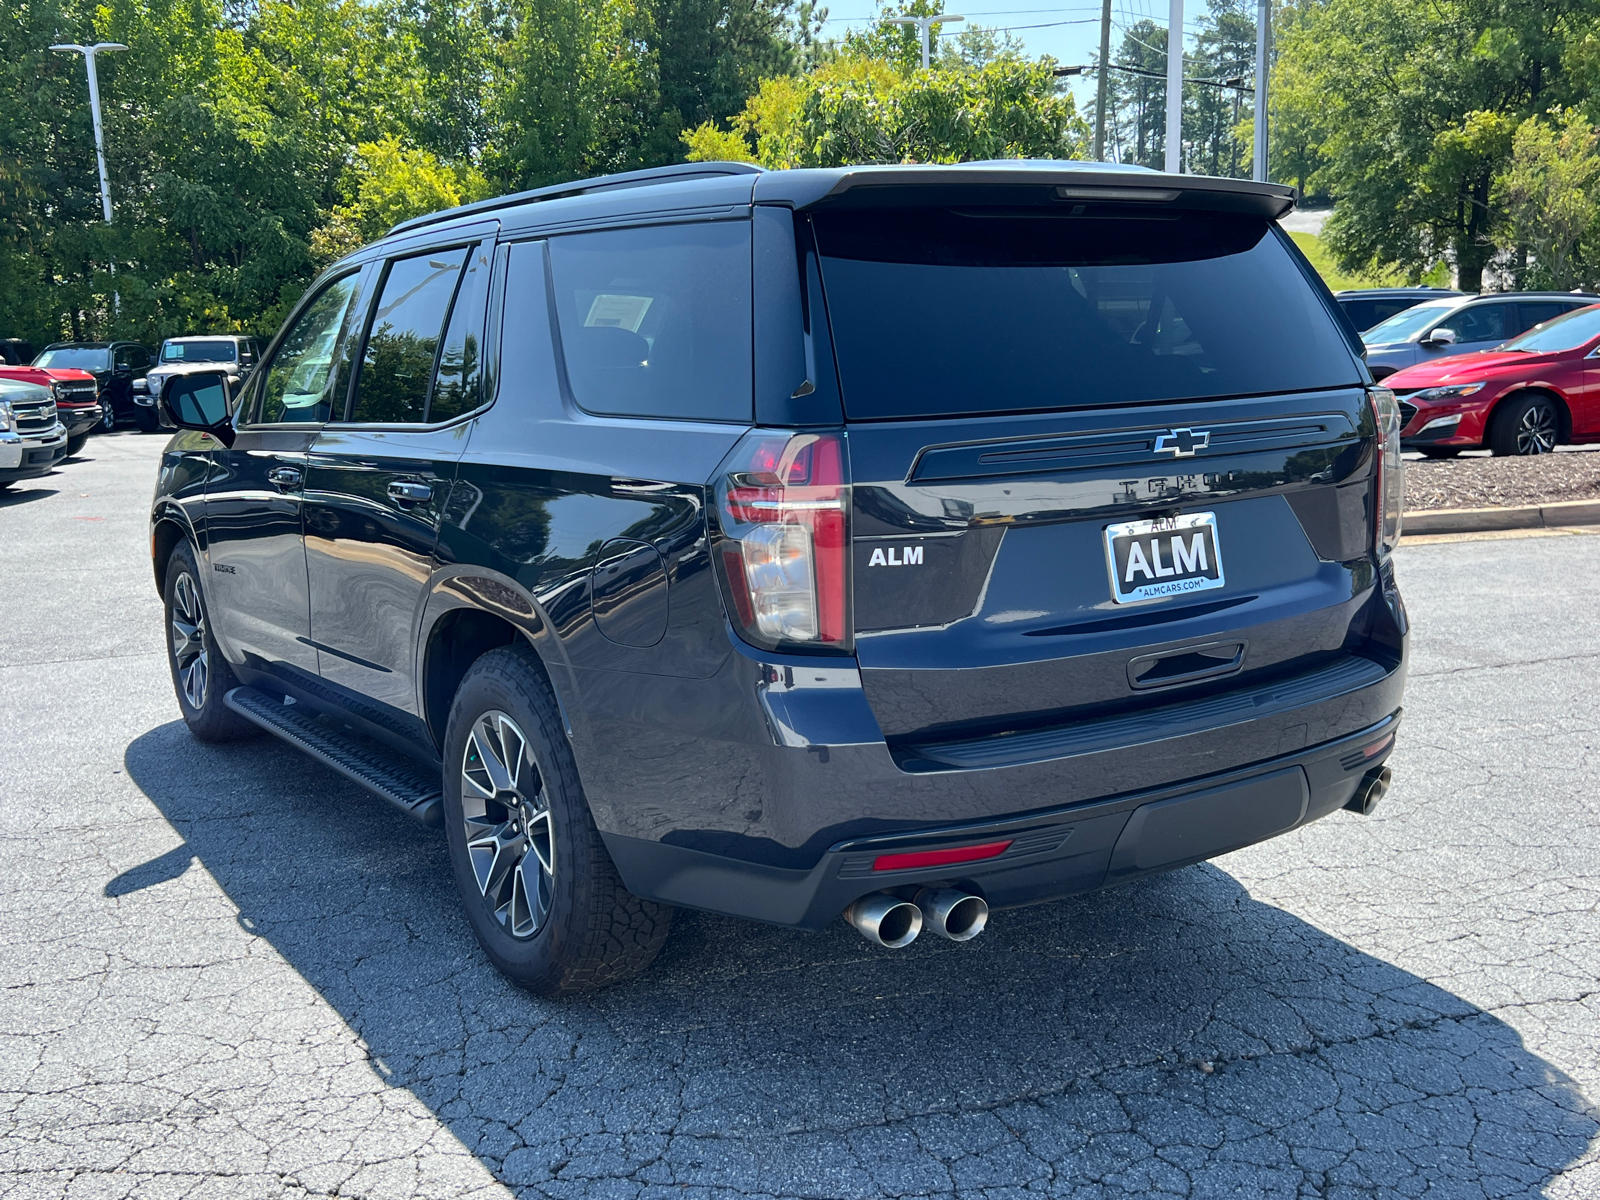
(1391, 479)
(783, 502)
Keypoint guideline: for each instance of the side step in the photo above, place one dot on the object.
(407, 785)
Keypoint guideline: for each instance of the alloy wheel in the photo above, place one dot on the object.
(506, 819)
(1536, 432)
(189, 641)
(108, 418)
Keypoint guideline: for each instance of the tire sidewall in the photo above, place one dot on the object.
(501, 681)
(213, 721)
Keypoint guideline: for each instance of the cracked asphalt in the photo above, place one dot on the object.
(224, 972)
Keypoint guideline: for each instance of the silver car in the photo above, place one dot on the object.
(1460, 325)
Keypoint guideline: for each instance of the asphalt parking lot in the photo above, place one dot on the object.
(226, 972)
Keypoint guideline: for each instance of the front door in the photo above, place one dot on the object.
(377, 483)
(255, 540)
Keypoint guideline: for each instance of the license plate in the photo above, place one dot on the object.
(1169, 556)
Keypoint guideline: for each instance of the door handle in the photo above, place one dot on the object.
(286, 477)
(412, 493)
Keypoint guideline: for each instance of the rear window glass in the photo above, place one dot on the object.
(655, 322)
(939, 312)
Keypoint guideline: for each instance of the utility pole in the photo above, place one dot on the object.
(1263, 32)
(1175, 86)
(1100, 95)
(923, 24)
(89, 53)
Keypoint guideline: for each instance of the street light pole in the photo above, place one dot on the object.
(1263, 32)
(89, 53)
(1175, 86)
(923, 24)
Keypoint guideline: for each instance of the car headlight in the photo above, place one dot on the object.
(8, 420)
(1454, 391)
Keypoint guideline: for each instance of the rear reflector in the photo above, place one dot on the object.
(940, 858)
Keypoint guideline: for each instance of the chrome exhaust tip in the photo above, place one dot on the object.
(1374, 786)
(886, 920)
(957, 915)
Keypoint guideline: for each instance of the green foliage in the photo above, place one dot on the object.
(1411, 106)
(860, 110)
(1550, 195)
(388, 184)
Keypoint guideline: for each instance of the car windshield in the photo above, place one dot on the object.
(939, 312)
(1402, 325)
(85, 358)
(1563, 333)
(186, 352)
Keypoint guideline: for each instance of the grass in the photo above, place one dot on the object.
(1313, 247)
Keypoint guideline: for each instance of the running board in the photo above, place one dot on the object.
(406, 785)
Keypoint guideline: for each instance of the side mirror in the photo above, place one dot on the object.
(198, 402)
(1443, 336)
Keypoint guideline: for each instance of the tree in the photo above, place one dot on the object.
(1550, 194)
(1138, 116)
(388, 184)
(861, 110)
(1418, 101)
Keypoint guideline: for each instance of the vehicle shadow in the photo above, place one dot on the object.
(11, 497)
(1173, 1036)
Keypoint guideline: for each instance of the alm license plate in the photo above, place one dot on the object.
(1168, 556)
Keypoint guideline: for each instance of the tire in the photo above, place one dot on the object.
(1525, 425)
(108, 418)
(1439, 451)
(540, 891)
(146, 419)
(201, 677)
(75, 444)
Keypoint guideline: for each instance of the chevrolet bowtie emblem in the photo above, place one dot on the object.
(1182, 443)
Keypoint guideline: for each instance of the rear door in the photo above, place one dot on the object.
(377, 481)
(1100, 460)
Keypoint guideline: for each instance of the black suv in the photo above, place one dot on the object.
(114, 365)
(893, 542)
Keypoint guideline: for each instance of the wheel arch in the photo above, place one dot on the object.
(457, 639)
(1563, 410)
(166, 532)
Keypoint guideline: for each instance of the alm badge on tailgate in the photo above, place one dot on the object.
(1164, 557)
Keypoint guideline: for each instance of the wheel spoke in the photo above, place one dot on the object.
(541, 842)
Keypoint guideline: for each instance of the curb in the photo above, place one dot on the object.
(1481, 520)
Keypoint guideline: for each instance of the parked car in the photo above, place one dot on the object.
(1050, 550)
(76, 394)
(1528, 396)
(1367, 307)
(1441, 328)
(32, 440)
(14, 352)
(114, 365)
(234, 355)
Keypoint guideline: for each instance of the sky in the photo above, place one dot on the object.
(1069, 33)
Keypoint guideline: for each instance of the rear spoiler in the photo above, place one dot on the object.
(1022, 182)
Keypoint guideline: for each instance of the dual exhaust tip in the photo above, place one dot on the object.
(888, 920)
(1374, 786)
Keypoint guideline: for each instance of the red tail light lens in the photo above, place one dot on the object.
(783, 502)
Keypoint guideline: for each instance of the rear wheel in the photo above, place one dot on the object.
(540, 891)
(201, 677)
(1525, 425)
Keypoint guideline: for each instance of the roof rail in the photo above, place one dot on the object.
(580, 187)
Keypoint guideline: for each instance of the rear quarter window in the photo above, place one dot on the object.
(655, 322)
(944, 312)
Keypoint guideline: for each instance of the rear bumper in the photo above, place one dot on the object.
(1052, 853)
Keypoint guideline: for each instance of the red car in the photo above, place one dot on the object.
(1524, 397)
(77, 398)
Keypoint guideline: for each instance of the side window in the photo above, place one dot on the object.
(1538, 312)
(455, 388)
(655, 322)
(301, 379)
(397, 364)
(1483, 323)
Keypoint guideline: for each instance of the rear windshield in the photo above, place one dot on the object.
(179, 352)
(938, 312)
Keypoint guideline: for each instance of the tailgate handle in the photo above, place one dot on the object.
(1187, 665)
